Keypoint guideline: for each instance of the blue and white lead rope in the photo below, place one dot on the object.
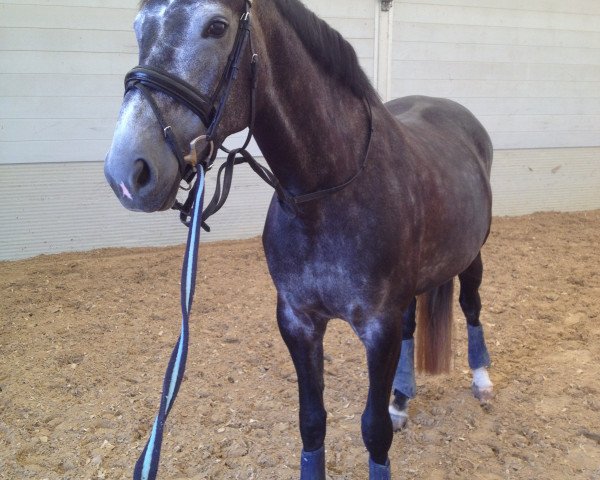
(147, 465)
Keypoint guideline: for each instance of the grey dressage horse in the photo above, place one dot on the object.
(376, 204)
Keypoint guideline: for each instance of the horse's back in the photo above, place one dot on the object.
(444, 117)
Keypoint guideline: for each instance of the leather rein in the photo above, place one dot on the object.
(210, 110)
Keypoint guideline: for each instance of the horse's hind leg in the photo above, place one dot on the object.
(303, 336)
(404, 386)
(470, 302)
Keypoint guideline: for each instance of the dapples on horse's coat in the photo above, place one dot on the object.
(375, 204)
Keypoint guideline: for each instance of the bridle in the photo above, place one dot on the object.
(203, 149)
(208, 108)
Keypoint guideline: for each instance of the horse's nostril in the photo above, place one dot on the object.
(142, 173)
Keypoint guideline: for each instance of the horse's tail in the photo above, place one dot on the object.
(434, 329)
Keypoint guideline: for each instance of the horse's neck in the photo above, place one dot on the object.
(312, 130)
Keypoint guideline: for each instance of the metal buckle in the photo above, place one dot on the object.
(192, 157)
(187, 188)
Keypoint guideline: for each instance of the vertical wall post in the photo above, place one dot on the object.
(386, 5)
(383, 51)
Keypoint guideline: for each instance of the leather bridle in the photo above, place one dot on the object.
(203, 149)
(209, 109)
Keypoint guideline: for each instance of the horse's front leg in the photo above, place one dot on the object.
(382, 340)
(303, 335)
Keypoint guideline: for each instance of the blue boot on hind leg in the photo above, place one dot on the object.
(312, 465)
(404, 386)
(379, 472)
(479, 360)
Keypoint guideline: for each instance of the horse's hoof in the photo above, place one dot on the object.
(399, 418)
(482, 387)
(483, 394)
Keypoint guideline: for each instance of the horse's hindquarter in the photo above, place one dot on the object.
(450, 153)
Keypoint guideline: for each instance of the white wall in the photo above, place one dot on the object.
(61, 76)
(530, 71)
(56, 207)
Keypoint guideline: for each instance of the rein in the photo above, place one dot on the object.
(147, 465)
(200, 159)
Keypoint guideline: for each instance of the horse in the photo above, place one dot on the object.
(375, 205)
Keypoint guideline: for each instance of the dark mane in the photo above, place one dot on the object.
(327, 47)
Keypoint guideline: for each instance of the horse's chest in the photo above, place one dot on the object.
(329, 284)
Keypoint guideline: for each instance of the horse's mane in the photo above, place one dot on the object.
(331, 51)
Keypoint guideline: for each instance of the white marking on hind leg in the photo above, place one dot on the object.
(482, 386)
(399, 417)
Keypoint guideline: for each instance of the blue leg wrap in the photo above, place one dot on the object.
(404, 381)
(312, 465)
(379, 472)
(478, 353)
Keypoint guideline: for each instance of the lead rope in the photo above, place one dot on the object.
(147, 465)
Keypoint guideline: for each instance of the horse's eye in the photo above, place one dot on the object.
(216, 29)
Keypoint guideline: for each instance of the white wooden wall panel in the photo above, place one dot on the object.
(428, 31)
(73, 3)
(499, 15)
(530, 71)
(65, 40)
(79, 16)
(51, 208)
(61, 76)
(556, 179)
(556, 6)
(62, 68)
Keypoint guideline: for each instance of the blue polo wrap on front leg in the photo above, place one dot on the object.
(312, 465)
(379, 472)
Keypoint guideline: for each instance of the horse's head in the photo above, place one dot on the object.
(191, 41)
